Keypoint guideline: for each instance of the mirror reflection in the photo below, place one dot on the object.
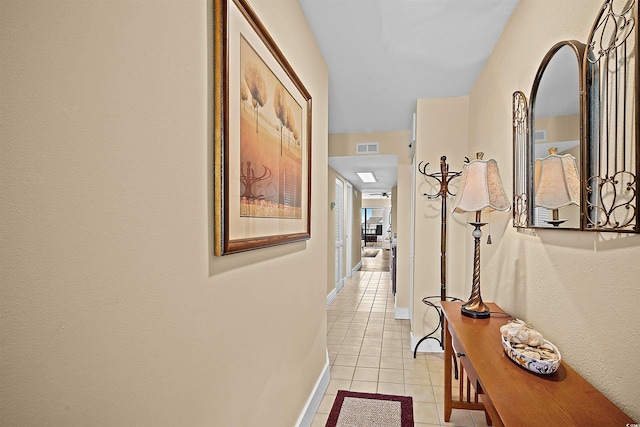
(555, 138)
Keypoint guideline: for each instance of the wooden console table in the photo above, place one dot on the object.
(509, 394)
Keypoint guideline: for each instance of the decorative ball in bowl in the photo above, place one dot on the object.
(543, 359)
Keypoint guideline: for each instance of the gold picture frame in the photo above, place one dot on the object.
(262, 137)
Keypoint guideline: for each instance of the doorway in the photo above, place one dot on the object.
(349, 230)
(339, 235)
(375, 226)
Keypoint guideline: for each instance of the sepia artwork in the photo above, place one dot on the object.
(262, 137)
(270, 146)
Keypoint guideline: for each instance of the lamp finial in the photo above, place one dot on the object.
(479, 155)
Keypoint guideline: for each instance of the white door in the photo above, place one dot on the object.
(339, 237)
(349, 229)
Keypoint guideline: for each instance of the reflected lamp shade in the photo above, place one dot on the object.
(557, 183)
(480, 188)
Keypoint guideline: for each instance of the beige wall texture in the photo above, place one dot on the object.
(376, 203)
(114, 312)
(403, 230)
(580, 289)
(441, 130)
(394, 143)
(560, 128)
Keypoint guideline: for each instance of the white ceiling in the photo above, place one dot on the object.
(385, 168)
(383, 55)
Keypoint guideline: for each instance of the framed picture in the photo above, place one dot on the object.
(262, 137)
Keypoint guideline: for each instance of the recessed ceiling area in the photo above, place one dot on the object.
(384, 55)
(385, 168)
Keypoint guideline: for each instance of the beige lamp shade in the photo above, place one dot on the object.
(556, 179)
(480, 188)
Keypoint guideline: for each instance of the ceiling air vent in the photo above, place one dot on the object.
(367, 148)
(540, 135)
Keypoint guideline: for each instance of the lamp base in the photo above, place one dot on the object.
(476, 314)
(475, 307)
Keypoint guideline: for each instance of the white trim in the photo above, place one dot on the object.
(331, 296)
(311, 407)
(349, 226)
(426, 346)
(412, 143)
(412, 238)
(402, 313)
(357, 267)
(339, 235)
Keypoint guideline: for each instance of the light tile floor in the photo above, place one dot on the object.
(369, 351)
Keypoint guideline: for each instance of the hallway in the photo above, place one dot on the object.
(369, 351)
(379, 262)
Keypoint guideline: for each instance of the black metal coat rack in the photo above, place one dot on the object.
(443, 178)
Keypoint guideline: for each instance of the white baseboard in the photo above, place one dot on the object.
(331, 296)
(357, 267)
(402, 313)
(426, 346)
(310, 409)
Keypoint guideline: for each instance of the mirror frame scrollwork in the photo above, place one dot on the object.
(520, 124)
(611, 154)
(609, 75)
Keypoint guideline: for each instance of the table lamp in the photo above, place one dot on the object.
(556, 183)
(480, 190)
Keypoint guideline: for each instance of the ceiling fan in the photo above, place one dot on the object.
(382, 194)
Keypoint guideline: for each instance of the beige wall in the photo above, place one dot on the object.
(376, 203)
(441, 130)
(579, 289)
(560, 128)
(114, 311)
(395, 143)
(403, 228)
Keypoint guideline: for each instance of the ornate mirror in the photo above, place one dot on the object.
(555, 139)
(612, 155)
(520, 160)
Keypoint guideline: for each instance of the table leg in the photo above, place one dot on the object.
(448, 355)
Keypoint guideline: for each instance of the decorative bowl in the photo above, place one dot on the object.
(534, 365)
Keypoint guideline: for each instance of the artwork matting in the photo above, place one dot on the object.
(262, 137)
